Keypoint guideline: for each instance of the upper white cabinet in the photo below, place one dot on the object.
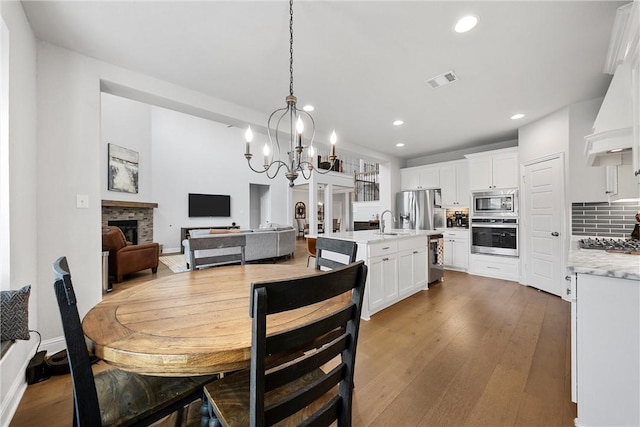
(493, 169)
(620, 182)
(420, 177)
(454, 182)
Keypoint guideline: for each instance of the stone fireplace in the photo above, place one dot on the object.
(129, 227)
(140, 212)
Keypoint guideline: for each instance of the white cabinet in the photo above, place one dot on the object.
(499, 267)
(383, 281)
(605, 342)
(493, 169)
(454, 182)
(397, 268)
(620, 182)
(412, 266)
(456, 249)
(383, 274)
(420, 177)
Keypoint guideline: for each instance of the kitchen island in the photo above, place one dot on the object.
(398, 264)
(605, 344)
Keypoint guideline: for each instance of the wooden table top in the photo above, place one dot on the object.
(194, 323)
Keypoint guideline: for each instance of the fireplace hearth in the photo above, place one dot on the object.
(129, 228)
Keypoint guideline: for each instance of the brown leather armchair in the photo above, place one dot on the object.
(125, 257)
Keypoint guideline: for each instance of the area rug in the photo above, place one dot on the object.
(175, 262)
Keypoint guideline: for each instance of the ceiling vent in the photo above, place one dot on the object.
(443, 79)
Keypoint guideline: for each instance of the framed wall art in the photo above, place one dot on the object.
(123, 169)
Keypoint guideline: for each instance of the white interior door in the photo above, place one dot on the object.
(544, 201)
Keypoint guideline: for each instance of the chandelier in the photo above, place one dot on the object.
(289, 122)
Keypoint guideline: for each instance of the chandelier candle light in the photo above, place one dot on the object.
(288, 122)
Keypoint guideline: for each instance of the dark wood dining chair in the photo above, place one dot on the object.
(232, 248)
(115, 397)
(334, 253)
(286, 382)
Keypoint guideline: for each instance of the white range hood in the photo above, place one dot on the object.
(613, 132)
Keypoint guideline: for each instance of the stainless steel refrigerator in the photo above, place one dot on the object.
(419, 209)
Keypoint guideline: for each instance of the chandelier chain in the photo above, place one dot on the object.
(291, 47)
(295, 163)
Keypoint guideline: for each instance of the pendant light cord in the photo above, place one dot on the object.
(291, 47)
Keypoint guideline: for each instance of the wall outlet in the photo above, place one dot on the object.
(82, 201)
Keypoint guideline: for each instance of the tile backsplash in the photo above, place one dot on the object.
(604, 219)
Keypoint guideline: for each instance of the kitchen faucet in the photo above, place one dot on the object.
(382, 219)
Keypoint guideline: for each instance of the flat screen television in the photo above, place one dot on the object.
(201, 205)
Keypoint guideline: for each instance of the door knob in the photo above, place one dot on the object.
(555, 234)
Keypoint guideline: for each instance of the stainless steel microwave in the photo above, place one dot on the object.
(495, 203)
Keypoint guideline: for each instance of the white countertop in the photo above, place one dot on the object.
(603, 263)
(372, 236)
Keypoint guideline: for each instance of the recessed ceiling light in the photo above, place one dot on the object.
(466, 23)
(517, 116)
(400, 144)
(308, 108)
(398, 123)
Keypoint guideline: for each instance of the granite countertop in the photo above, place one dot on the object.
(372, 236)
(603, 263)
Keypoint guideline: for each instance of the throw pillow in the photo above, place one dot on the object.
(218, 231)
(15, 314)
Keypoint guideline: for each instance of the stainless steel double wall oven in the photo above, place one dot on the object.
(494, 222)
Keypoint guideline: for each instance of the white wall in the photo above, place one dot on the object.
(546, 136)
(195, 155)
(458, 154)
(126, 123)
(563, 131)
(586, 183)
(182, 154)
(23, 197)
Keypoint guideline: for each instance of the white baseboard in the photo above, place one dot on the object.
(13, 366)
(53, 345)
(170, 251)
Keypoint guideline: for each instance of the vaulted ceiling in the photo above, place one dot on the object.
(362, 64)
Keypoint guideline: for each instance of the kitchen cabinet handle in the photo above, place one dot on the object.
(636, 173)
(555, 234)
(567, 278)
(385, 248)
(385, 259)
(492, 268)
(608, 192)
(415, 252)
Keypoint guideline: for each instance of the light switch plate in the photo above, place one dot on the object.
(82, 201)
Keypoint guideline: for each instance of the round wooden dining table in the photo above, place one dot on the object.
(194, 323)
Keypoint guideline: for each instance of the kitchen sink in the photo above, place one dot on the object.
(390, 233)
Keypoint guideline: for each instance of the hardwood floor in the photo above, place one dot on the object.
(469, 351)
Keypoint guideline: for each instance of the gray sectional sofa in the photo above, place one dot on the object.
(263, 243)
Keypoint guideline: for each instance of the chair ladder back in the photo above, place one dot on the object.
(85, 396)
(218, 242)
(344, 253)
(258, 354)
(334, 335)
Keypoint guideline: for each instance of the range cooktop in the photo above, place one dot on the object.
(612, 245)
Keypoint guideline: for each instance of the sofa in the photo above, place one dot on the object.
(269, 242)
